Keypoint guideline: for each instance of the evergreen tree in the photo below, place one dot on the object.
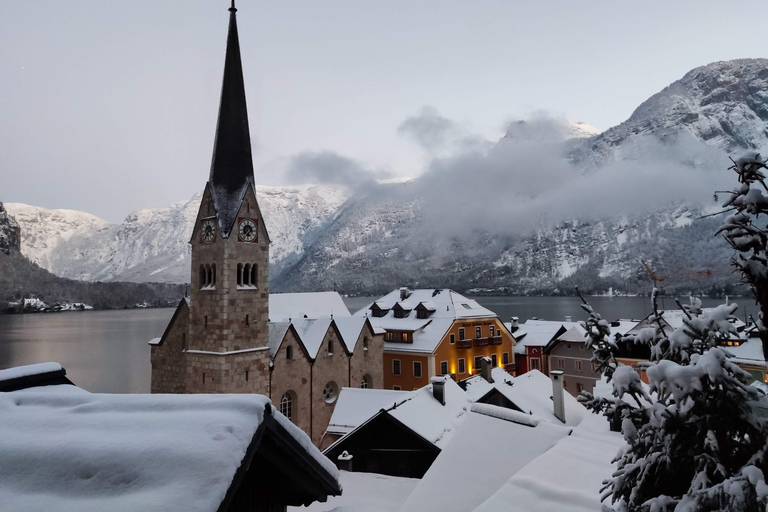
(695, 440)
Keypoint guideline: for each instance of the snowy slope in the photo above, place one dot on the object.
(152, 244)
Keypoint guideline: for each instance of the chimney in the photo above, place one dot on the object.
(345, 461)
(568, 318)
(438, 389)
(513, 323)
(404, 293)
(485, 369)
(557, 394)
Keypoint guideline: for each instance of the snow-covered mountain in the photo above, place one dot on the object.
(152, 244)
(9, 232)
(403, 233)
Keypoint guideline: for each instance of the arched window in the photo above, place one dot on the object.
(289, 352)
(183, 341)
(208, 276)
(366, 382)
(202, 276)
(330, 346)
(247, 275)
(366, 342)
(286, 405)
(239, 274)
(254, 275)
(213, 275)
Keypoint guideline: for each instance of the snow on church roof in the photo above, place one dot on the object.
(286, 306)
(350, 328)
(311, 332)
(80, 452)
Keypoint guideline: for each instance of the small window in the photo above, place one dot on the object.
(183, 341)
(396, 388)
(494, 360)
(396, 367)
(366, 382)
(206, 321)
(461, 333)
(560, 363)
(330, 392)
(289, 352)
(366, 342)
(452, 338)
(579, 387)
(246, 321)
(505, 358)
(492, 329)
(246, 375)
(466, 306)
(578, 365)
(286, 405)
(535, 363)
(417, 369)
(443, 367)
(569, 346)
(330, 347)
(478, 332)
(478, 363)
(203, 377)
(462, 367)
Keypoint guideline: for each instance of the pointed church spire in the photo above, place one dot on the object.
(232, 164)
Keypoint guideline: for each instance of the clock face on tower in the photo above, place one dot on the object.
(246, 230)
(208, 233)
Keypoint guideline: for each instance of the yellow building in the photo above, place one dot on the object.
(436, 332)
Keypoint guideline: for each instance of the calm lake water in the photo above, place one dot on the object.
(107, 351)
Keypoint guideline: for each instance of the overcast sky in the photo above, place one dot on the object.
(110, 106)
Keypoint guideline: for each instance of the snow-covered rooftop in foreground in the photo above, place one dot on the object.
(286, 306)
(366, 492)
(28, 370)
(67, 450)
(444, 306)
(355, 406)
(567, 477)
(482, 455)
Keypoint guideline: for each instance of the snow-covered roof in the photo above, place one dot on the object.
(355, 406)
(446, 306)
(28, 370)
(154, 341)
(286, 306)
(536, 333)
(311, 333)
(422, 413)
(531, 392)
(277, 332)
(567, 477)
(349, 328)
(673, 318)
(749, 352)
(490, 446)
(76, 451)
(365, 492)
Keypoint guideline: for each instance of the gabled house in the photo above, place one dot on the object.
(531, 337)
(433, 332)
(62, 448)
(406, 437)
(354, 407)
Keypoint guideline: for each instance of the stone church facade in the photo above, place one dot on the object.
(220, 338)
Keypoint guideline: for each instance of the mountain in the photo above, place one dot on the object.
(504, 222)
(152, 244)
(9, 232)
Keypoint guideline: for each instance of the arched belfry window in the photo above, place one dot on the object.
(208, 276)
(254, 274)
(202, 276)
(213, 275)
(239, 274)
(247, 275)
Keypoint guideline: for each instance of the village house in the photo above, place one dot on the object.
(231, 335)
(531, 337)
(208, 453)
(433, 332)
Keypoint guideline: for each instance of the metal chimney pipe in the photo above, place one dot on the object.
(557, 394)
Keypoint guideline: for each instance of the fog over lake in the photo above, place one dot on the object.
(107, 351)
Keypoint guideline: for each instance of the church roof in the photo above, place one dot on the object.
(232, 163)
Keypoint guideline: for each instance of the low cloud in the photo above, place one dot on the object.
(327, 167)
(437, 134)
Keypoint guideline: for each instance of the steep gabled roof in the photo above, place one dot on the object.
(232, 162)
(295, 306)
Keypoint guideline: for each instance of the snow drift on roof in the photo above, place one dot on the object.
(349, 329)
(28, 370)
(311, 333)
(480, 457)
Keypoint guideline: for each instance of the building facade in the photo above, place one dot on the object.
(432, 332)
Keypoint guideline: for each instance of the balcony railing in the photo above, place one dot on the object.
(464, 343)
(483, 342)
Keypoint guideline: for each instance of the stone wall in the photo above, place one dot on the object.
(328, 368)
(293, 376)
(168, 358)
(368, 362)
(243, 372)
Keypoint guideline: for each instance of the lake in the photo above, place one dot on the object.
(107, 351)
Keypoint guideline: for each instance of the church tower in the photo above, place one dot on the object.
(228, 332)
